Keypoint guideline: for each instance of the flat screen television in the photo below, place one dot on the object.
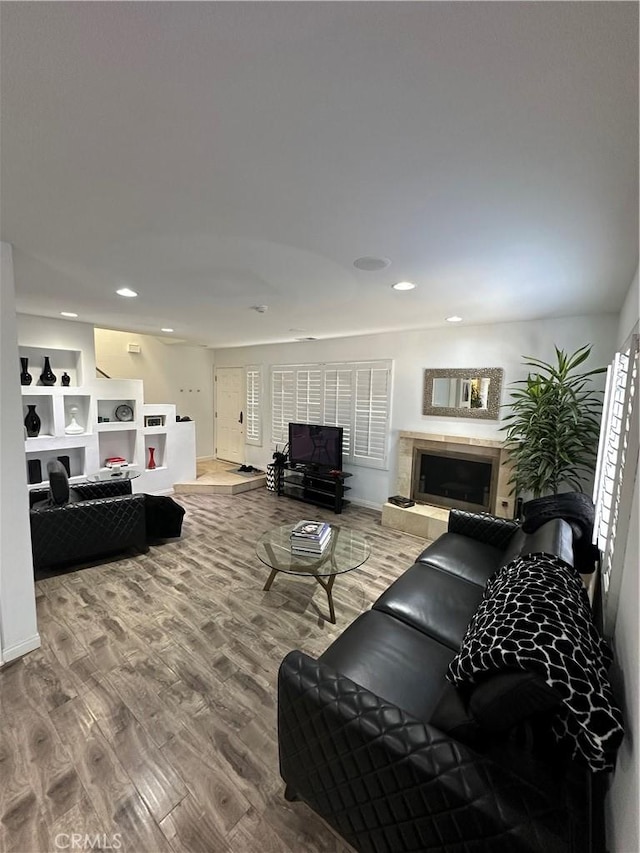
(316, 446)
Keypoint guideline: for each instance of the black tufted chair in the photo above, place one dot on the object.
(87, 521)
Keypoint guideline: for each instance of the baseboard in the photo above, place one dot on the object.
(21, 649)
(365, 504)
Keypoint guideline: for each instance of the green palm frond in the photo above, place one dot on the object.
(553, 424)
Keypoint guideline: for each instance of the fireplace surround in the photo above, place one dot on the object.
(429, 517)
(455, 477)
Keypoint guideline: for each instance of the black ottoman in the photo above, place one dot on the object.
(163, 517)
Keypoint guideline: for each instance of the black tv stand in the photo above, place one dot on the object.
(313, 485)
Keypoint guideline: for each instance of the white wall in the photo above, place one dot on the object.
(172, 373)
(501, 345)
(18, 628)
(623, 800)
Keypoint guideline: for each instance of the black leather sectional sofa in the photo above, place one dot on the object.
(377, 741)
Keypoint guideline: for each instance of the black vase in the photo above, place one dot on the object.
(32, 422)
(25, 376)
(66, 379)
(47, 377)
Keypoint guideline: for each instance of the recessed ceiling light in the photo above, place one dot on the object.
(126, 291)
(454, 319)
(403, 285)
(166, 330)
(369, 264)
(67, 314)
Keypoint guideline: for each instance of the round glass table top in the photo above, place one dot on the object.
(346, 550)
(105, 474)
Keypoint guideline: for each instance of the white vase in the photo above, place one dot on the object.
(74, 427)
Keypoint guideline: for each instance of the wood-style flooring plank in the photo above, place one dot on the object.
(208, 780)
(150, 710)
(190, 829)
(113, 796)
(158, 783)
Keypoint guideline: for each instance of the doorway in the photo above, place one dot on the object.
(229, 414)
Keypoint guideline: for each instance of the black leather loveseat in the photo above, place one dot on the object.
(378, 742)
(87, 521)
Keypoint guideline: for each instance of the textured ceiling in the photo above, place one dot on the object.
(218, 156)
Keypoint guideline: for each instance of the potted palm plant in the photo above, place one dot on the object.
(553, 425)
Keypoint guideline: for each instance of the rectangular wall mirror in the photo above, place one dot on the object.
(463, 392)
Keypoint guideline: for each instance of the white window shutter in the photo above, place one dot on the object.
(353, 395)
(617, 452)
(338, 393)
(282, 404)
(371, 414)
(308, 406)
(253, 422)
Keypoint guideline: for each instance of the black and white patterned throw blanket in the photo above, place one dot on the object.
(535, 616)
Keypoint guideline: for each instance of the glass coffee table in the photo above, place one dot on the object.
(106, 474)
(346, 550)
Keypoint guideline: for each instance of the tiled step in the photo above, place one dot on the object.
(221, 483)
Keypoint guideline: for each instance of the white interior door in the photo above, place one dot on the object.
(229, 414)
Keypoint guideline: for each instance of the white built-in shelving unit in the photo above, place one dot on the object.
(104, 436)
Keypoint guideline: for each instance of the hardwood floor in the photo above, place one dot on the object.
(148, 717)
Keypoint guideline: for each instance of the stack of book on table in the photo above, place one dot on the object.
(310, 537)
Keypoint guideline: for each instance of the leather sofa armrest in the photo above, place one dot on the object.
(388, 782)
(483, 527)
(37, 496)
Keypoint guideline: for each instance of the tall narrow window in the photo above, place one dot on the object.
(617, 451)
(282, 403)
(371, 414)
(338, 391)
(253, 425)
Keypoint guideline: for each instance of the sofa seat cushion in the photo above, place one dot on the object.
(467, 558)
(392, 660)
(435, 602)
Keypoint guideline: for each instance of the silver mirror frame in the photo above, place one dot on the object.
(491, 413)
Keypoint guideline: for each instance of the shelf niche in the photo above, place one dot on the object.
(61, 361)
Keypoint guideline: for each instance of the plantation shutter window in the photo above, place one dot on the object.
(253, 422)
(354, 396)
(618, 448)
(371, 414)
(337, 403)
(308, 396)
(282, 404)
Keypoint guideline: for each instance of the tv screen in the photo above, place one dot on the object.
(316, 446)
